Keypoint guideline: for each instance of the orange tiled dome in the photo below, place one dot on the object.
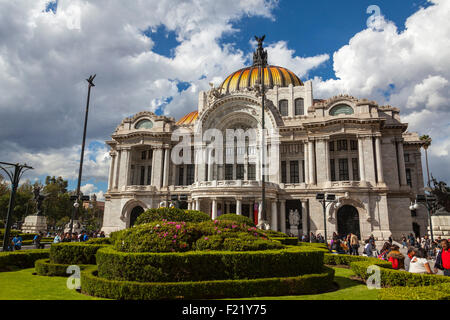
(188, 119)
(246, 78)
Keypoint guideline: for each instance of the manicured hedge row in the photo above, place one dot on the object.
(21, 259)
(93, 285)
(74, 253)
(319, 246)
(45, 268)
(207, 265)
(345, 259)
(435, 292)
(291, 241)
(236, 218)
(392, 278)
(100, 241)
(30, 242)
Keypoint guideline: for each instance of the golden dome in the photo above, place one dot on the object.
(246, 78)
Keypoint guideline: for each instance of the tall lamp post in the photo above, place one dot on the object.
(76, 205)
(14, 176)
(430, 203)
(326, 200)
(260, 61)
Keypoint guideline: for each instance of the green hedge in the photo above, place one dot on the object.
(207, 265)
(345, 259)
(100, 241)
(45, 268)
(291, 241)
(236, 218)
(435, 292)
(93, 285)
(171, 214)
(21, 259)
(74, 253)
(391, 277)
(318, 246)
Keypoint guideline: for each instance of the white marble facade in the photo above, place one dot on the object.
(353, 148)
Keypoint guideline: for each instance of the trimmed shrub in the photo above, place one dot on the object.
(276, 234)
(236, 218)
(391, 277)
(291, 241)
(435, 292)
(45, 268)
(167, 236)
(99, 241)
(93, 285)
(21, 259)
(171, 214)
(207, 265)
(345, 259)
(74, 253)
(319, 246)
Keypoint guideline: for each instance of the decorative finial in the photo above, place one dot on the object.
(260, 55)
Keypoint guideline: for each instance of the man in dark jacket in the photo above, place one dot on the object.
(443, 259)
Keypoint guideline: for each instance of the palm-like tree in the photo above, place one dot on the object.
(426, 139)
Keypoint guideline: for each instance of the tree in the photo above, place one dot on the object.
(426, 140)
(57, 200)
(23, 205)
(442, 192)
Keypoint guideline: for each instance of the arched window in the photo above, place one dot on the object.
(341, 109)
(299, 107)
(283, 106)
(144, 124)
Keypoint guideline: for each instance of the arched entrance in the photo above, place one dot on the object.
(348, 221)
(135, 213)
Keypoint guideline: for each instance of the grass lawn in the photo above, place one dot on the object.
(348, 290)
(23, 285)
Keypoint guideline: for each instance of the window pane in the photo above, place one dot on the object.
(355, 169)
(142, 180)
(149, 175)
(283, 172)
(251, 172)
(240, 172)
(332, 170)
(190, 174)
(144, 155)
(294, 172)
(180, 176)
(354, 145)
(331, 144)
(283, 107)
(343, 170)
(229, 172)
(299, 107)
(408, 177)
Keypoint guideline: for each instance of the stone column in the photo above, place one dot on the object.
(304, 217)
(214, 209)
(306, 158)
(238, 206)
(124, 168)
(401, 160)
(274, 223)
(362, 172)
(283, 216)
(210, 165)
(197, 204)
(166, 167)
(157, 171)
(111, 170)
(117, 169)
(323, 166)
(311, 164)
(379, 160)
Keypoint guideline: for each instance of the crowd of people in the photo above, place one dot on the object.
(16, 242)
(420, 251)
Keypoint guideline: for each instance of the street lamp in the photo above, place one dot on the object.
(430, 203)
(90, 80)
(326, 200)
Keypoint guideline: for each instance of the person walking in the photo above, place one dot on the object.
(37, 241)
(17, 242)
(443, 259)
(354, 242)
(404, 242)
(57, 239)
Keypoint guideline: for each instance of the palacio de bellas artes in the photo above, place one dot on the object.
(212, 159)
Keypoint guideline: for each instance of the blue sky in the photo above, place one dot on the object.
(155, 55)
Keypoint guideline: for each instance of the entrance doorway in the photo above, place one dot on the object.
(348, 221)
(416, 229)
(135, 213)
